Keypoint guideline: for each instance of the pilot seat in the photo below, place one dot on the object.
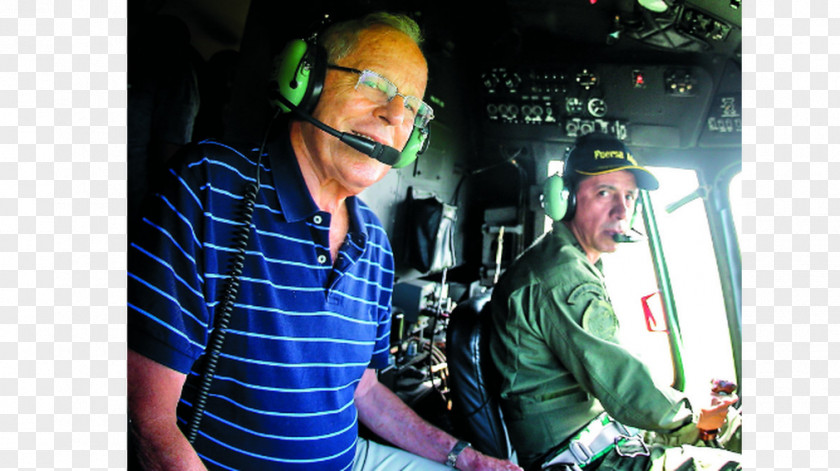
(474, 381)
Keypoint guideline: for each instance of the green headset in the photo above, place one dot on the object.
(559, 199)
(298, 79)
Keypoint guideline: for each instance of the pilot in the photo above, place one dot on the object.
(311, 321)
(568, 387)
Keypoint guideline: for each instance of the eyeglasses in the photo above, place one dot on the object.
(381, 90)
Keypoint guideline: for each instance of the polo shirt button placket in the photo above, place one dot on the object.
(318, 220)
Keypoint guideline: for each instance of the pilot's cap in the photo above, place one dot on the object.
(598, 153)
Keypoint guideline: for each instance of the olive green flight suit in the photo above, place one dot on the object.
(555, 343)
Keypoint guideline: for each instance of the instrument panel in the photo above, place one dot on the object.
(635, 102)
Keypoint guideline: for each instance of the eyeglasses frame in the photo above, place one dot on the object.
(361, 73)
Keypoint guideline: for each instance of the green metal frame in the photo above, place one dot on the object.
(715, 198)
(728, 256)
(663, 280)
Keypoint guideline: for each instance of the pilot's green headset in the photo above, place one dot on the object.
(298, 77)
(559, 198)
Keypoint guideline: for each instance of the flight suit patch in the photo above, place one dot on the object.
(600, 320)
(583, 290)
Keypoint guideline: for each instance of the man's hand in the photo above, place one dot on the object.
(472, 460)
(713, 417)
(390, 418)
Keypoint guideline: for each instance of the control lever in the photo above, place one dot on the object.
(499, 250)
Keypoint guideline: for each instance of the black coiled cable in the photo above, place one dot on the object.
(231, 290)
(225, 308)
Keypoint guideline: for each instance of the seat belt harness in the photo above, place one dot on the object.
(598, 438)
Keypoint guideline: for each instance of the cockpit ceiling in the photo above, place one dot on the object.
(683, 26)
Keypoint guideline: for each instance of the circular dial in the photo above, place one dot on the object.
(597, 107)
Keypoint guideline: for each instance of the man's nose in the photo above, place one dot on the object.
(393, 111)
(622, 208)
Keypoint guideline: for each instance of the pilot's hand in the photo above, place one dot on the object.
(472, 460)
(714, 416)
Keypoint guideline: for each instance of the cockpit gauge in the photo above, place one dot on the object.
(574, 106)
(597, 107)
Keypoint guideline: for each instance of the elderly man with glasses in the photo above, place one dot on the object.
(310, 323)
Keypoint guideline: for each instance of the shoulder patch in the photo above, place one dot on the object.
(584, 288)
(600, 320)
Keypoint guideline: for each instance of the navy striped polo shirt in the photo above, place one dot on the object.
(303, 328)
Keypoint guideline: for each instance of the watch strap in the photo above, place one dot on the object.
(452, 457)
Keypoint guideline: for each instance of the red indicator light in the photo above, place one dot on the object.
(638, 79)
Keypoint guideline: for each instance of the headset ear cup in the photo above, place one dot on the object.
(298, 75)
(555, 198)
(289, 78)
(417, 143)
(571, 205)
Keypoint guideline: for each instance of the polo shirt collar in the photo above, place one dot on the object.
(295, 200)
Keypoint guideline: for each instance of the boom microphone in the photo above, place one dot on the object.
(385, 154)
(633, 236)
